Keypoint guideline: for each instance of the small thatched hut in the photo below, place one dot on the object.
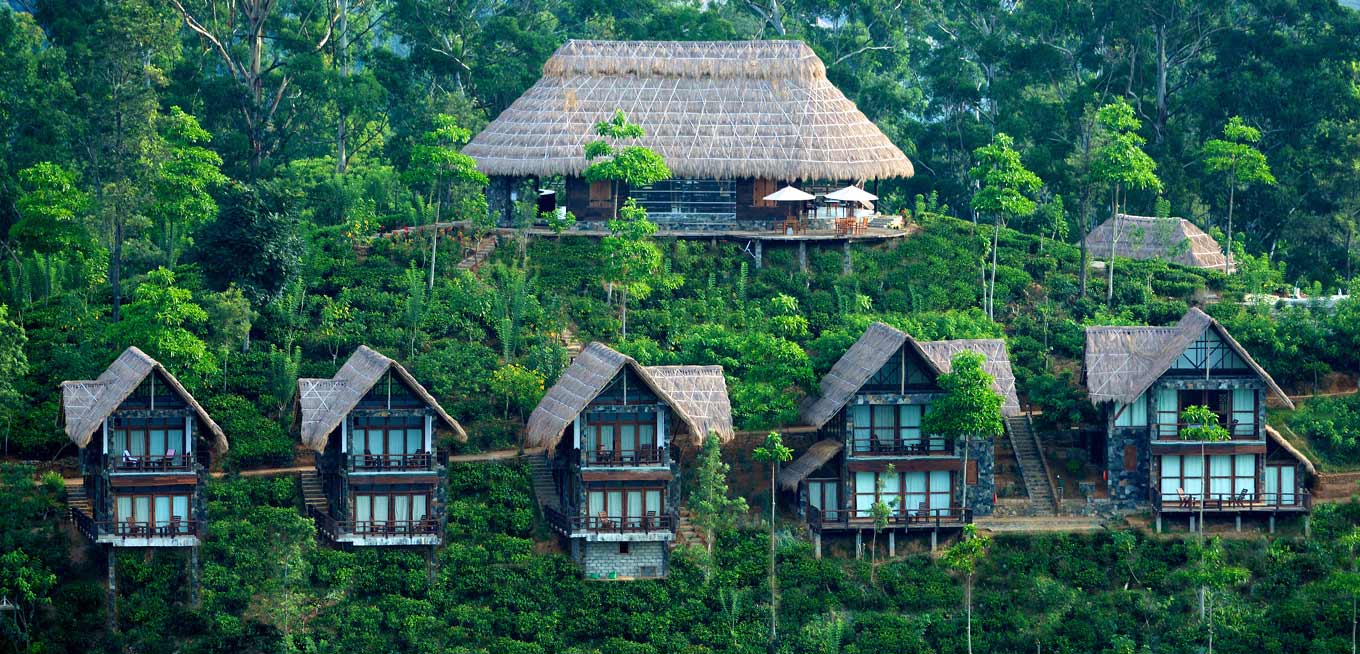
(1175, 240)
(734, 120)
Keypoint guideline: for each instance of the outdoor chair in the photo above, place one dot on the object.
(1185, 500)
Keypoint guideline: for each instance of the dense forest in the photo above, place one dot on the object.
(217, 182)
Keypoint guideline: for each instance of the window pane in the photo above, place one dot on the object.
(628, 437)
(119, 442)
(141, 509)
(415, 440)
(137, 443)
(864, 491)
(940, 491)
(607, 438)
(884, 427)
(124, 509)
(180, 508)
(915, 492)
(654, 502)
(418, 509)
(157, 442)
(356, 442)
(380, 508)
(1287, 485)
(635, 508)
(647, 435)
(402, 507)
(614, 503)
(363, 508)
(596, 505)
(815, 493)
(162, 511)
(1245, 465)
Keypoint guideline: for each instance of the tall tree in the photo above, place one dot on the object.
(963, 558)
(447, 175)
(182, 197)
(970, 409)
(631, 259)
(713, 508)
(159, 320)
(13, 368)
(620, 165)
(263, 46)
(1236, 158)
(254, 243)
(1121, 164)
(773, 452)
(1202, 425)
(52, 214)
(1004, 189)
(1209, 569)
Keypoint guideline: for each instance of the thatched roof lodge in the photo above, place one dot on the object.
(87, 403)
(1175, 240)
(879, 344)
(697, 395)
(1123, 362)
(324, 403)
(734, 120)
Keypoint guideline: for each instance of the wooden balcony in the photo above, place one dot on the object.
(177, 462)
(645, 456)
(897, 447)
(415, 462)
(852, 519)
(578, 525)
(130, 533)
(1241, 502)
(425, 531)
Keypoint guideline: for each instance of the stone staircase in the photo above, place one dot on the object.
(313, 497)
(545, 491)
(77, 500)
(686, 533)
(571, 341)
(479, 255)
(1025, 444)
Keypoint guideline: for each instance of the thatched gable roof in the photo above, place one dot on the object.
(699, 392)
(721, 109)
(1175, 240)
(1275, 437)
(324, 403)
(1123, 362)
(879, 343)
(815, 457)
(86, 403)
(697, 395)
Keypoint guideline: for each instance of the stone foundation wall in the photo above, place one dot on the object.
(982, 495)
(1128, 485)
(602, 560)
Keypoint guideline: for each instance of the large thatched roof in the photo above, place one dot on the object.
(86, 403)
(723, 109)
(325, 402)
(879, 343)
(1176, 240)
(697, 395)
(1122, 362)
(815, 457)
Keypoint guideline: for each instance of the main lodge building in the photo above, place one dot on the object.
(734, 121)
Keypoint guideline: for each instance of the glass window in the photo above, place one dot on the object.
(941, 491)
(363, 508)
(401, 505)
(418, 508)
(380, 509)
(141, 509)
(180, 508)
(614, 504)
(864, 492)
(634, 508)
(124, 509)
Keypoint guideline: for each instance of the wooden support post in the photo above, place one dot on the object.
(859, 544)
(1192, 524)
(431, 572)
(846, 267)
(1307, 526)
(817, 543)
(802, 257)
(193, 577)
(1238, 523)
(760, 253)
(1272, 523)
(934, 539)
(892, 544)
(112, 600)
(1159, 522)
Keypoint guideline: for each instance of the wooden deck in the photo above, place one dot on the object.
(872, 234)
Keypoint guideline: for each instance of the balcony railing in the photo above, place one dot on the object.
(606, 524)
(818, 518)
(1241, 500)
(1238, 431)
(132, 529)
(414, 462)
(332, 528)
(646, 456)
(895, 447)
(169, 462)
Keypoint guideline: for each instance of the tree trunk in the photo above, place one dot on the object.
(342, 62)
(1085, 229)
(623, 301)
(1114, 239)
(1159, 127)
(991, 297)
(963, 477)
(968, 600)
(1232, 188)
(116, 268)
(774, 591)
(434, 238)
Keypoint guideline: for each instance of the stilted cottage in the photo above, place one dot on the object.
(610, 429)
(145, 447)
(1143, 378)
(378, 480)
(869, 415)
(1174, 240)
(734, 121)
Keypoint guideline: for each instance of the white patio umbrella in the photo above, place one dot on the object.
(789, 194)
(851, 194)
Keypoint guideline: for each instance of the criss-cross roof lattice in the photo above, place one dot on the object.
(711, 109)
